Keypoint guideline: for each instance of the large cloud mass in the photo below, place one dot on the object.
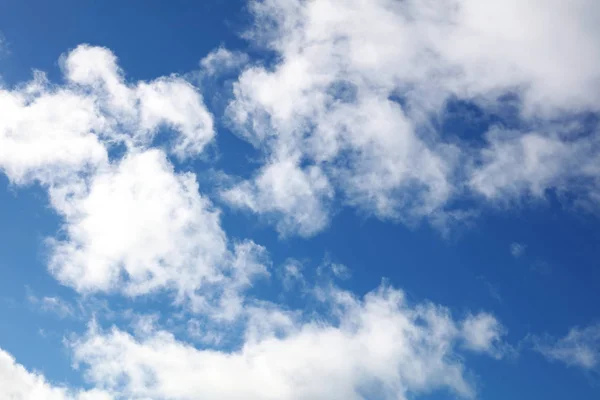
(380, 346)
(131, 223)
(357, 87)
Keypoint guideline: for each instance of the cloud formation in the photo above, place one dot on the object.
(380, 345)
(221, 60)
(19, 384)
(139, 222)
(357, 87)
(579, 348)
(131, 223)
(140, 110)
(345, 115)
(49, 132)
(377, 346)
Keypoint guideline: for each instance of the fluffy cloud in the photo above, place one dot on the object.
(579, 348)
(138, 218)
(528, 165)
(295, 198)
(379, 346)
(221, 60)
(139, 110)
(138, 227)
(343, 114)
(131, 223)
(483, 333)
(48, 132)
(357, 84)
(19, 384)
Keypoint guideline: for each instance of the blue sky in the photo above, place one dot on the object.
(283, 199)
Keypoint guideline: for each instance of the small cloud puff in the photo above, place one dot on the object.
(517, 249)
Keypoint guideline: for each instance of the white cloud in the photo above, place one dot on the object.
(134, 226)
(247, 262)
(579, 348)
(223, 60)
(19, 384)
(483, 333)
(379, 346)
(329, 129)
(131, 224)
(138, 227)
(174, 102)
(527, 165)
(143, 108)
(296, 198)
(329, 102)
(136, 222)
(46, 132)
(49, 132)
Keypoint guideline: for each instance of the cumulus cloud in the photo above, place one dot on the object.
(296, 198)
(138, 227)
(344, 116)
(18, 383)
(48, 132)
(140, 218)
(356, 85)
(579, 348)
(378, 346)
(131, 223)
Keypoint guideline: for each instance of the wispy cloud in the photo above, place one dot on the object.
(579, 348)
(53, 305)
(291, 274)
(491, 288)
